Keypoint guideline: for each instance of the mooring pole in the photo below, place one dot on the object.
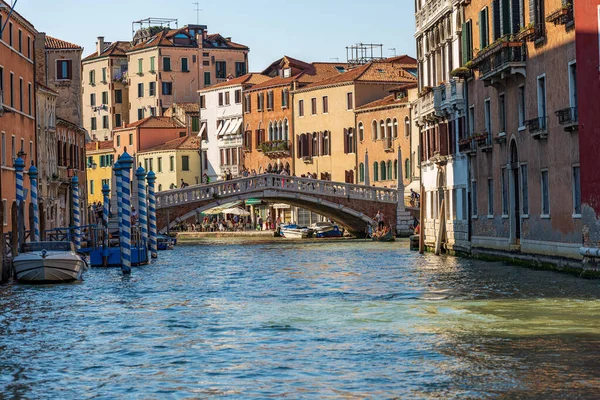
(422, 221)
(118, 177)
(19, 167)
(33, 181)
(105, 216)
(142, 207)
(76, 211)
(126, 162)
(151, 178)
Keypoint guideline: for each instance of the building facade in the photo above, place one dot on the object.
(526, 197)
(105, 89)
(17, 103)
(173, 64)
(186, 114)
(440, 114)
(100, 159)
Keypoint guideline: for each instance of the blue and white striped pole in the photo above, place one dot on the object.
(33, 182)
(126, 162)
(118, 177)
(142, 207)
(151, 178)
(76, 211)
(105, 216)
(19, 167)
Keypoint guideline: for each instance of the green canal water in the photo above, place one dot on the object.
(352, 319)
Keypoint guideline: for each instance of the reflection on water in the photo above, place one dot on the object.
(327, 319)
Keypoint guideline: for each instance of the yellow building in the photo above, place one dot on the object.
(100, 160)
(324, 117)
(173, 162)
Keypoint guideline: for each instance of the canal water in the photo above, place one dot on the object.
(352, 319)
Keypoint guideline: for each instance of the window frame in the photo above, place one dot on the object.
(543, 214)
(490, 196)
(521, 108)
(576, 187)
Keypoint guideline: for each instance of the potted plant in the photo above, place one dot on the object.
(461, 72)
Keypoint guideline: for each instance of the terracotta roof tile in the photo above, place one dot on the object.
(222, 42)
(390, 100)
(188, 107)
(183, 143)
(102, 145)
(372, 72)
(248, 79)
(53, 43)
(111, 49)
(155, 122)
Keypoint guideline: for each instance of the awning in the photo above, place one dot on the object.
(253, 202)
(221, 208)
(223, 127)
(234, 127)
(202, 130)
(281, 206)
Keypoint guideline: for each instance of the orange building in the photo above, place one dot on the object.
(17, 102)
(268, 112)
(146, 133)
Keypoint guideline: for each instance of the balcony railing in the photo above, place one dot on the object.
(568, 118)
(484, 141)
(500, 57)
(276, 148)
(448, 96)
(538, 127)
(562, 15)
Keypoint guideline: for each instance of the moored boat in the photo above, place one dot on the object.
(326, 230)
(385, 235)
(47, 262)
(164, 242)
(295, 232)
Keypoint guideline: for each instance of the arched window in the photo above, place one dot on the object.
(286, 130)
(381, 132)
(361, 172)
(350, 139)
(395, 169)
(280, 131)
(407, 169)
(395, 128)
(383, 170)
(406, 127)
(389, 133)
(375, 171)
(315, 144)
(389, 170)
(326, 149)
(374, 130)
(270, 131)
(361, 131)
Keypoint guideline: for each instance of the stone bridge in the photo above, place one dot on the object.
(353, 206)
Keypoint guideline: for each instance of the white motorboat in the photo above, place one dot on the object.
(326, 229)
(45, 262)
(295, 232)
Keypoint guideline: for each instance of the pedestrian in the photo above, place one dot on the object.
(183, 184)
(379, 219)
(260, 224)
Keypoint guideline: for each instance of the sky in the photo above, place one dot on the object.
(311, 30)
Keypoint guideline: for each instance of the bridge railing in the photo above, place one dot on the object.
(224, 189)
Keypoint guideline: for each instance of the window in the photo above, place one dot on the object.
(576, 191)
(301, 108)
(118, 140)
(185, 163)
(171, 163)
(361, 172)
(166, 64)
(64, 71)
(205, 160)
(167, 88)
(94, 127)
(349, 146)
(104, 97)
(467, 42)
(184, 65)
(131, 139)
(545, 194)
(504, 192)
(140, 113)
(502, 113)
(270, 101)
(106, 182)
(21, 94)
(285, 96)
(195, 124)
(220, 69)
(118, 121)
(490, 197)
(240, 68)
(375, 171)
(349, 101)
(91, 186)
(105, 122)
(151, 89)
(488, 116)
(524, 190)
(28, 46)
(238, 96)
(383, 171)
(3, 148)
(29, 98)
(10, 34)
(521, 105)
(261, 101)
(389, 170)
(541, 95)
(361, 132)
(159, 164)
(93, 99)
(474, 210)
(1, 74)
(326, 148)
(1, 37)
(325, 104)
(483, 28)
(202, 102)
(12, 90)
(227, 100)
(573, 86)
(207, 79)
(13, 147)
(140, 90)
(406, 169)
(221, 99)
(104, 75)
(152, 66)
(20, 36)
(313, 106)
(118, 96)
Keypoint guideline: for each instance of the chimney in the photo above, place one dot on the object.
(100, 45)
(39, 53)
(228, 39)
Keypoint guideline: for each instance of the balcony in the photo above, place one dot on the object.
(484, 142)
(561, 16)
(448, 97)
(501, 60)
(538, 127)
(425, 106)
(276, 148)
(568, 118)
(431, 12)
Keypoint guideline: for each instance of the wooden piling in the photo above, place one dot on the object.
(440, 237)
(422, 221)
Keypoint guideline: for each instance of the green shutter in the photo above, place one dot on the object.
(464, 44)
(481, 30)
(470, 40)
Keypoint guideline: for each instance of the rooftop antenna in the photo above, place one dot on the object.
(393, 49)
(197, 9)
